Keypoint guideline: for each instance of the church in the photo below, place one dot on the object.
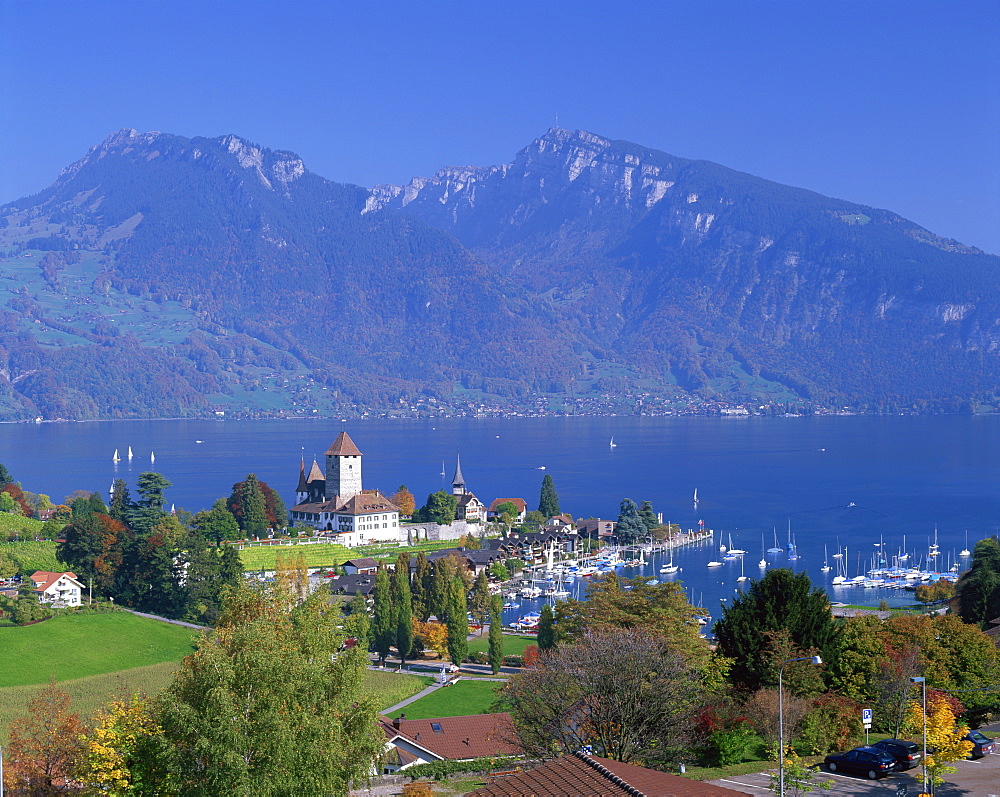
(335, 501)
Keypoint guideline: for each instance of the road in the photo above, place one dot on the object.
(980, 778)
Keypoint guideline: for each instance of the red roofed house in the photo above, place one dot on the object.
(59, 589)
(582, 775)
(522, 508)
(412, 742)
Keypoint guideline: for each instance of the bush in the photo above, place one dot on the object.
(513, 661)
(439, 770)
(732, 746)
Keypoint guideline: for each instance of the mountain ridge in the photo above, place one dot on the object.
(584, 273)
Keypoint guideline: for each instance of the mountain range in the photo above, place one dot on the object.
(165, 276)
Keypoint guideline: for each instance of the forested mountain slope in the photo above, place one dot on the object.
(163, 276)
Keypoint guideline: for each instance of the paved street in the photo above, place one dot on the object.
(980, 778)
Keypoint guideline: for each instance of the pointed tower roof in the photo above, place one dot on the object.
(343, 446)
(315, 474)
(459, 480)
(302, 477)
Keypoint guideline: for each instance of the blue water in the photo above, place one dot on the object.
(903, 475)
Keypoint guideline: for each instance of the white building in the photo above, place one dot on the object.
(334, 499)
(59, 589)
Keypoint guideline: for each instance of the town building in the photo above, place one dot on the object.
(469, 508)
(334, 500)
(59, 589)
(412, 742)
(493, 513)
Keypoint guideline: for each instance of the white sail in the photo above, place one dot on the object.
(115, 457)
(130, 452)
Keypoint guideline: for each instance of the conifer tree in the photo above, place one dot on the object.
(629, 527)
(421, 586)
(548, 500)
(247, 504)
(979, 588)
(439, 598)
(546, 629)
(121, 504)
(458, 622)
(403, 604)
(479, 597)
(648, 516)
(383, 620)
(496, 634)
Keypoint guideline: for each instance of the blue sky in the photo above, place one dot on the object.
(892, 104)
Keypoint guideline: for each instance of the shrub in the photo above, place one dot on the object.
(732, 746)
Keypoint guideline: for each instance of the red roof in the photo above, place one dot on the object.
(458, 738)
(343, 446)
(44, 578)
(520, 503)
(580, 775)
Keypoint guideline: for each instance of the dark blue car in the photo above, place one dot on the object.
(870, 762)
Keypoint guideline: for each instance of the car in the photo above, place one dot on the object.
(907, 754)
(981, 745)
(868, 761)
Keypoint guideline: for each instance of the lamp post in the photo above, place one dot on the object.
(781, 719)
(919, 679)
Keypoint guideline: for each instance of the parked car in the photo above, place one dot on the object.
(868, 761)
(907, 754)
(982, 745)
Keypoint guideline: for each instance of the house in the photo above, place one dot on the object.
(468, 507)
(352, 585)
(595, 528)
(581, 774)
(59, 589)
(412, 742)
(474, 561)
(354, 567)
(493, 513)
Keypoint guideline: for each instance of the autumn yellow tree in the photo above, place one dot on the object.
(116, 753)
(404, 499)
(434, 636)
(944, 735)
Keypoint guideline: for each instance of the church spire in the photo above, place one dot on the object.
(458, 483)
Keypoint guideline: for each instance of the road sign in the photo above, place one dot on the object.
(866, 717)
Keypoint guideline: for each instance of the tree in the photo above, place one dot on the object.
(548, 499)
(8, 504)
(383, 619)
(440, 508)
(8, 567)
(45, 745)
(433, 635)
(799, 778)
(121, 508)
(151, 486)
(495, 654)
(499, 572)
(22, 506)
(248, 506)
(403, 607)
(507, 512)
(458, 622)
(944, 735)
(621, 691)
(271, 703)
(629, 527)
(5, 477)
(546, 629)
(119, 753)
(439, 594)
(359, 623)
(479, 598)
(780, 600)
(421, 586)
(217, 524)
(979, 588)
(404, 499)
(648, 516)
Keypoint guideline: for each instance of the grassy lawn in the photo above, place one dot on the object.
(30, 555)
(465, 697)
(77, 645)
(89, 693)
(513, 645)
(391, 687)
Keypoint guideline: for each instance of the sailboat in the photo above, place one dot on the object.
(670, 567)
(695, 497)
(735, 551)
(742, 574)
(442, 468)
(792, 555)
(152, 457)
(841, 577)
(965, 551)
(115, 457)
(825, 568)
(130, 452)
(839, 554)
(777, 548)
(763, 562)
(934, 548)
(613, 443)
(903, 556)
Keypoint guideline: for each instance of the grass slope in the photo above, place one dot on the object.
(513, 645)
(88, 694)
(77, 645)
(465, 697)
(31, 556)
(393, 687)
(263, 557)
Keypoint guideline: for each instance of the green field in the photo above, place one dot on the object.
(77, 645)
(392, 687)
(31, 556)
(89, 693)
(21, 525)
(513, 645)
(263, 557)
(465, 697)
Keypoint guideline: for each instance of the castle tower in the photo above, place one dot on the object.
(458, 483)
(343, 468)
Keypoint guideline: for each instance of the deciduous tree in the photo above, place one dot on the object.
(944, 735)
(496, 634)
(404, 499)
(458, 622)
(403, 603)
(629, 527)
(383, 618)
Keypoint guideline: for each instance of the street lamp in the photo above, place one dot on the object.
(781, 719)
(919, 679)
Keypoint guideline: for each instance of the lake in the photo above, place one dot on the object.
(836, 480)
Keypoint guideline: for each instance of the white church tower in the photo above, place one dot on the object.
(343, 469)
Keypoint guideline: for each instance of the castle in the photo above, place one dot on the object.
(335, 500)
